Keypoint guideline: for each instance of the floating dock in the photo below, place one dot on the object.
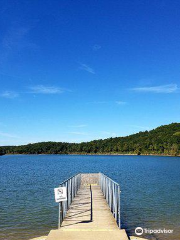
(92, 210)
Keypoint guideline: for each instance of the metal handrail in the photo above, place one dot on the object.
(111, 191)
(72, 185)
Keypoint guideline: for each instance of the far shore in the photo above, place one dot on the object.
(95, 154)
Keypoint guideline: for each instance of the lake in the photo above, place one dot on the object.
(150, 191)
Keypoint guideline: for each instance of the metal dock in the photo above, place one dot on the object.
(92, 210)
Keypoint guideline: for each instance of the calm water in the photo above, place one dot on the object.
(150, 188)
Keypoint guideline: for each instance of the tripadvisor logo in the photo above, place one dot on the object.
(138, 231)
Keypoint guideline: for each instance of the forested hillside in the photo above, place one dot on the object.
(164, 140)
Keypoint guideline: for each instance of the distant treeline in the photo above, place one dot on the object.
(164, 140)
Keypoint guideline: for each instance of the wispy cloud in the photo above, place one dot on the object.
(15, 40)
(96, 47)
(79, 133)
(14, 37)
(86, 68)
(3, 134)
(41, 89)
(38, 89)
(109, 102)
(139, 127)
(170, 88)
(121, 103)
(78, 126)
(109, 134)
(9, 94)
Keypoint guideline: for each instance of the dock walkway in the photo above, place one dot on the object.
(88, 218)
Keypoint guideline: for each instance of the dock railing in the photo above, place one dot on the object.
(109, 188)
(111, 191)
(72, 185)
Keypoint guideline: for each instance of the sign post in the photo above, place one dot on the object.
(60, 196)
(59, 218)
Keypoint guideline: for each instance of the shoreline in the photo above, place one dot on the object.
(94, 154)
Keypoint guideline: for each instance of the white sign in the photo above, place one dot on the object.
(60, 194)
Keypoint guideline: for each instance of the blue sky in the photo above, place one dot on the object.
(81, 70)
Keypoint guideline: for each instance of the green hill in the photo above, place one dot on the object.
(164, 140)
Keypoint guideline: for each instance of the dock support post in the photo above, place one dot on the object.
(91, 204)
(119, 207)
